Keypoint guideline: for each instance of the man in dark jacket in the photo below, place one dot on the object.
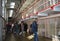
(16, 27)
(25, 27)
(8, 27)
(35, 29)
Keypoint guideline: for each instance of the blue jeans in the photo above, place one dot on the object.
(17, 32)
(35, 36)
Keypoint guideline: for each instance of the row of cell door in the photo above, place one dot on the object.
(49, 27)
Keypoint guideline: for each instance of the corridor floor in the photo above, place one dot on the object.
(12, 37)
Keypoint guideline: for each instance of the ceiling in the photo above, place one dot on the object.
(12, 5)
(17, 4)
(26, 4)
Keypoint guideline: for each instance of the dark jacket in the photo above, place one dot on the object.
(25, 26)
(8, 26)
(20, 28)
(16, 27)
(34, 27)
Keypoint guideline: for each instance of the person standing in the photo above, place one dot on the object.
(25, 27)
(8, 27)
(30, 31)
(35, 29)
(22, 28)
(16, 27)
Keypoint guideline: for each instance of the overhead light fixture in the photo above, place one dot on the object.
(12, 4)
(11, 12)
(34, 10)
(42, 14)
(22, 17)
(5, 1)
(26, 15)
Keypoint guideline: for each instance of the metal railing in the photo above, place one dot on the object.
(43, 5)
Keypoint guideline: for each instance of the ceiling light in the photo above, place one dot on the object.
(42, 14)
(12, 4)
(34, 11)
(22, 17)
(26, 15)
(11, 12)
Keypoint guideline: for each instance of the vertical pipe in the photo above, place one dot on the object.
(0, 21)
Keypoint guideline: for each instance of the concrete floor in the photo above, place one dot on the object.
(12, 37)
